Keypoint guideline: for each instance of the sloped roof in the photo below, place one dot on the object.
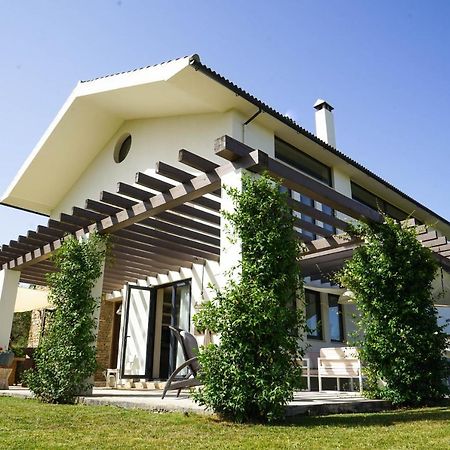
(99, 107)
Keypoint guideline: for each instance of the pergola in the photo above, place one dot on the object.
(158, 226)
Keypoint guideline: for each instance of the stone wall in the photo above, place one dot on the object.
(104, 337)
(35, 328)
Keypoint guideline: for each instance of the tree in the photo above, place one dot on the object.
(252, 373)
(402, 344)
(66, 355)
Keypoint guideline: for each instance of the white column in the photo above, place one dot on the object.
(9, 283)
(230, 251)
(96, 292)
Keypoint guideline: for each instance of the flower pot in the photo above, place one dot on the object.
(4, 376)
(6, 359)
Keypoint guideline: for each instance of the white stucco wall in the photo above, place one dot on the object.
(158, 140)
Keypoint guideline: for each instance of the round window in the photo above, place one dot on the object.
(122, 148)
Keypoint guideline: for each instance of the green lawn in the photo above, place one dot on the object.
(28, 424)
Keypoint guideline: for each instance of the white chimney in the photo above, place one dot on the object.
(325, 122)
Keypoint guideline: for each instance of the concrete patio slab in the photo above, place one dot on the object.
(304, 403)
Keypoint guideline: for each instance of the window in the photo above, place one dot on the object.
(313, 316)
(307, 164)
(122, 148)
(310, 202)
(367, 198)
(335, 319)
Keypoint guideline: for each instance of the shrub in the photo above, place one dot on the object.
(252, 373)
(402, 344)
(19, 332)
(65, 357)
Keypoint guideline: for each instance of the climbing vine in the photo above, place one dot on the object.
(66, 355)
(252, 372)
(401, 344)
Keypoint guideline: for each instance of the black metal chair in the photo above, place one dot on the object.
(189, 346)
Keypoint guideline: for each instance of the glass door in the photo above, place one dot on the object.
(139, 331)
(176, 311)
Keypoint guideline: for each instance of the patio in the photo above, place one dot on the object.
(304, 403)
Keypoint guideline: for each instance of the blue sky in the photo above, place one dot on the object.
(384, 66)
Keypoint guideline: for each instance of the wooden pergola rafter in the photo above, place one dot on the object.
(172, 220)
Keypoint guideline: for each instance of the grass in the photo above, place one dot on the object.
(29, 424)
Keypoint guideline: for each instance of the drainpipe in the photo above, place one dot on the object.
(257, 113)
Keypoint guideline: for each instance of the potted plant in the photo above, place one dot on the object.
(6, 360)
(6, 357)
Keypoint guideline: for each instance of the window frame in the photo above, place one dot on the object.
(382, 204)
(307, 171)
(340, 318)
(309, 201)
(318, 302)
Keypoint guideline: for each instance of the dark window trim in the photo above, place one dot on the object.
(291, 163)
(317, 299)
(340, 315)
(381, 202)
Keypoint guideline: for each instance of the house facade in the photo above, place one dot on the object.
(143, 156)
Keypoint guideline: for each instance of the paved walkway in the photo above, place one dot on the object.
(310, 403)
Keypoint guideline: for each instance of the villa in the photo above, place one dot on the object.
(143, 156)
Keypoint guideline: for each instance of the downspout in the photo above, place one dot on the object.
(257, 113)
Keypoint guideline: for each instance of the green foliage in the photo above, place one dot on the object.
(252, 373)
(65, 358)
(19, 332)
(402, 344)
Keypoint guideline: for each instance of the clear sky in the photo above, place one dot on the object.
(384, 65)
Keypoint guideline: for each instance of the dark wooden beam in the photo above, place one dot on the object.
(12, 252)
(180, 231)
(169, 238)
(124, 203)
(102, 208)
(132, 261)
(22, 246)
(32, 280)
(176, 174)
(151, 253)
(145, 235)
(73, 220)
(177, 195)
(88, 214)
(143, 242)
(144, 258)
(162, 186)
(440, 240)
(233, 150)
(313, 228)
(316, 214)
(40, 237)
(31, 241)
(119, 269)
(228, 148)
(52, 233)
(196, 162)
(63, 226)
(334, 241)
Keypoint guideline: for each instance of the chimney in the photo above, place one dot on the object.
(325, 122)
